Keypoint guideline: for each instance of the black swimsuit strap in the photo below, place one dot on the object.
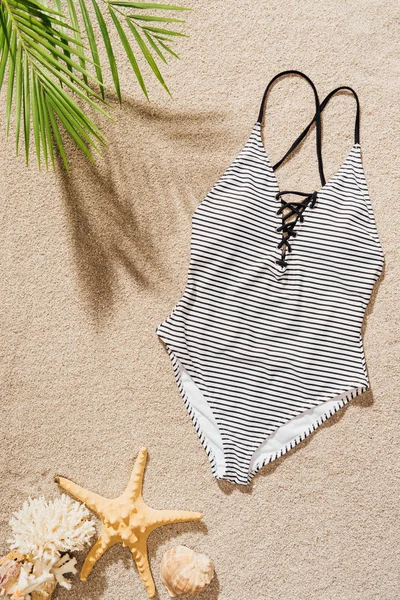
(317, 117)
(322, 106)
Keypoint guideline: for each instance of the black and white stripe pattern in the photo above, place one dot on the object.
(263, 353)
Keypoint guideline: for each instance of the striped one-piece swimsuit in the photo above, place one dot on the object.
(266, 340)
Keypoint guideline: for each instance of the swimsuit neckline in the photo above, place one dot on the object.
(257, 127)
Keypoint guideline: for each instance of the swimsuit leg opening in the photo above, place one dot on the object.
(201, 414)
(297, 429)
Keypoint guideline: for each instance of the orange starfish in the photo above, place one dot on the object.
(126, 520)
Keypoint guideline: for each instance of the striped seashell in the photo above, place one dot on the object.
(183, 571)
(9, 573)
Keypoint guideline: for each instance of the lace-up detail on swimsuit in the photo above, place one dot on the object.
(293, 209)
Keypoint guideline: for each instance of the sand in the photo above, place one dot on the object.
(93, 261)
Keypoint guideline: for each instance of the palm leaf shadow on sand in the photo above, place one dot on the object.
(124, 210)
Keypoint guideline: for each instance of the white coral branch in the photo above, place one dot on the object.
(34, 576)
(65, 565)
(53, 527)
(29, 581)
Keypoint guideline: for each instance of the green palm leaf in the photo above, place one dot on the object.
(138, 30)
(53, 78)
(35, 115)
(146, 5)
(6, 30)
(147, 54)
(167, 48)
(164, 31)
(154, 46)
(18, 93)
(109, 49)
(128, 51)
(92, 44)
(77, 35)
(57, 135)
(153, 18)
(26, 106)
(38, 57)
(11, 73)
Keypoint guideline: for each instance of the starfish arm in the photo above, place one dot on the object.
(92, 501)
(134, 487)
(142, 563)
(95, 552)
(164, 517)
